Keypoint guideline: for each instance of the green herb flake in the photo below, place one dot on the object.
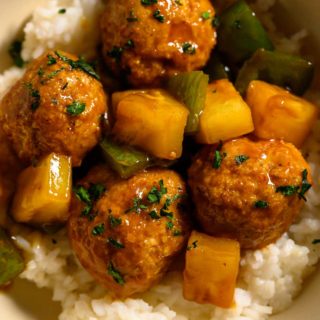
(51, 60)
(237, 24)
(98, 230)
(316, 241)
(82, 194)
(148, 2)
(288, 190)
(115, 274)
(76, 108)
(167, 214)
(153, 214)
(62, 11)
(178, 2)
(216, 22)
(35, 95)
(79, 64)
(114, 221)
(188, 48)
(65, 86)
(240, 159)
(115, 53)
(115, 243)
(217, 159)
(96, 191)
(177, 233)
(129, 44)
(54, 73)
(158, 16)
(205, 15)
(15, 53)
(132, 17)
(155, 194)
(260, 204)
(40, 72)
(169, 225)
(193, 245)
(305, 185)
(137, 206)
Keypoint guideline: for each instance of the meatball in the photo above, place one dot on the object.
(249, 190)
(128, 232)
(55, 107)
(153, 40)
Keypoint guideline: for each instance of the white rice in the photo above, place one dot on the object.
(269, 278)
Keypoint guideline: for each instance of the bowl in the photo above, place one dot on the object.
(23, 301)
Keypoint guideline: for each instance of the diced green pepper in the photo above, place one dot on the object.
(284, 70)
(191, 89)
(126, 161)
(216, 69)
(240, 33)
(11, 261)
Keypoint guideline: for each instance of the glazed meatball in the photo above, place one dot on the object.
(55, 107)
(127, 234)
(250, 191)
(153, 40)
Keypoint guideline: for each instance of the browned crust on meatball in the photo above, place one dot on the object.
(225, 198)
(35, 116)
(148, 50)
(149, 244)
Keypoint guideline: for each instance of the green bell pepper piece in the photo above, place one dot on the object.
(216, 69)
(191, 89)
(126, 161)
(11, 261)
(288, 71)
(240, 33)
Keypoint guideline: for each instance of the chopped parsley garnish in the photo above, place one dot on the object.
(148, 2)
(76, 108)
(62, 11)
(176, 233)
(82, 194)
(129, 44)
(178, 2)
(241, 159)
(188, 48)
(51, 60)
(193, 245)
(137, 206)
(260, 204)
(114, 221)
(169, 225)
(40, 72)
(115, 243)
(35, 95)
(132, 17)
(98, 230)
(158, 16)
(65, 86)
(205, 15)
(164, 213)
(316, 241)
(96, 191)
(15, 53)
(153, 214)
(115, 274)
(155, 194)
(216, 22)
(115, 53)
(217, 159)
(288, 190)
(79, 64)
(54, 73)
(305, 185)
(237, 24)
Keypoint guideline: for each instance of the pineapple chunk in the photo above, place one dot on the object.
(43, 193)
(151, 120)
(211, 270)
(225, 115)
(278, 114)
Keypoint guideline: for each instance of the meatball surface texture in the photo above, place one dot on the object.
(55, 107)
(132, 230)
(249, 191)
(149, 42)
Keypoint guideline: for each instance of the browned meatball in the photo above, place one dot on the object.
(254, 195)
(55, 107)
(129, 237)
(152, 41)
